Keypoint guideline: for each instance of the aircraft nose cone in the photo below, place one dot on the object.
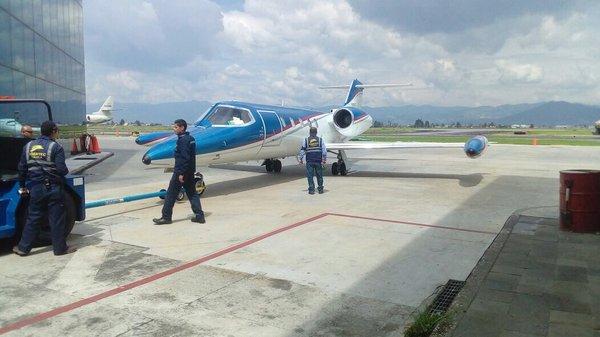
(146, 159)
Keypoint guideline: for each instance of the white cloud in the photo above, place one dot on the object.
(269, 51)
(513, 72)
(236, 71)
(123, 79)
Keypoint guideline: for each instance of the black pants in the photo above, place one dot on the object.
(173, 191)
(45, 201)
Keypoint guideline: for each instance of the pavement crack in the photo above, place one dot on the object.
(150, 320)
(219, 289)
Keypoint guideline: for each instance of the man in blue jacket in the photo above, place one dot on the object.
(43, 166)
(183, 175)
(313, 148)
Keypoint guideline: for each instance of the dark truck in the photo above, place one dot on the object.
(13, 207)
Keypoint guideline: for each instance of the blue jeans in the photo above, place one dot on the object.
(45, 202)
(314, 169)
(173, 191)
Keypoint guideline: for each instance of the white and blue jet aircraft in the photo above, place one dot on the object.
(233, 131)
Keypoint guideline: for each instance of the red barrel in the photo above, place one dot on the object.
(580, 201)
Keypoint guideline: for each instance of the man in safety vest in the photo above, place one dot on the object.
(313, 148)
(43, 166)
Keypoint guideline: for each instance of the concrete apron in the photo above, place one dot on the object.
(355, 260)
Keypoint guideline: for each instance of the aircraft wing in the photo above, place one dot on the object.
(390, 145)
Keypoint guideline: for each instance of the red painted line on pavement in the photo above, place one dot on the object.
(60, 310)
(411, 223)
(151, 278)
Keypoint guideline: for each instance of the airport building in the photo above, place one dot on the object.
(41, 55)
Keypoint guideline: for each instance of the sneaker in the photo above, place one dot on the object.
(19, 252)
(199, 219)
(311, 192)
(320, 191)
(162, 221)
(69, 250)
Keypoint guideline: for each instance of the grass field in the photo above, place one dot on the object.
(576, 137)
(548, 132)
(71, 131)
(128, 128)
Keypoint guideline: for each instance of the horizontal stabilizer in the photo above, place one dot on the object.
(365, 86)
(355, 90)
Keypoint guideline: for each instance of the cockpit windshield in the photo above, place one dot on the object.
(229, 116)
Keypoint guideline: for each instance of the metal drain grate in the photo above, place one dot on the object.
(445, 297)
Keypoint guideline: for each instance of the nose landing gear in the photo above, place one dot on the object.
(199, 185)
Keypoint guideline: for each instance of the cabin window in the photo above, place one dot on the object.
(224, 115)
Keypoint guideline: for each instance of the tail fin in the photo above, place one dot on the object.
(356, 88)
(107, 107)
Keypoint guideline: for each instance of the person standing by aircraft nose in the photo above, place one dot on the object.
(183, 175)
(313, 148)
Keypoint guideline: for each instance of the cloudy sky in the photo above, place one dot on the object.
(461, 52)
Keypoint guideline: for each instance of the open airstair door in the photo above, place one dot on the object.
(272, 128)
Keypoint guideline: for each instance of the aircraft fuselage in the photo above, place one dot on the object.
(261, 132)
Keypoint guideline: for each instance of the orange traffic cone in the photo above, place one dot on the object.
(74, 149)
(95, 145)
(534, 141)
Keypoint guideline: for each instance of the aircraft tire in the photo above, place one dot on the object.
(180, 195)
(277, 166)
(335, 169)
(342, 168)
(199, 185)
(269, 165)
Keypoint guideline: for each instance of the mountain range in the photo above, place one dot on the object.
(540, 114)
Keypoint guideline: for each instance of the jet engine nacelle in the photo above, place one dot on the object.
(350, 122)
(476, 146)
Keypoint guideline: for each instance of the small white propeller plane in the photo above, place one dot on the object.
(233, 131)
(103, 115)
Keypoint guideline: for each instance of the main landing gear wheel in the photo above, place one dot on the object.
(342, 168)
(335, 169)
(339, 168)
(269, 165)
(277, 166)
(199, 183)
(273, 165)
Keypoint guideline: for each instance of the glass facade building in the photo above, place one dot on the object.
(41, 55)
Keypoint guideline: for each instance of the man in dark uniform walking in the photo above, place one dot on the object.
(313, 148)
(183, 175)
(43, 166)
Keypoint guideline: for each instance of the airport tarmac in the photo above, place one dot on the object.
(271, 259)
